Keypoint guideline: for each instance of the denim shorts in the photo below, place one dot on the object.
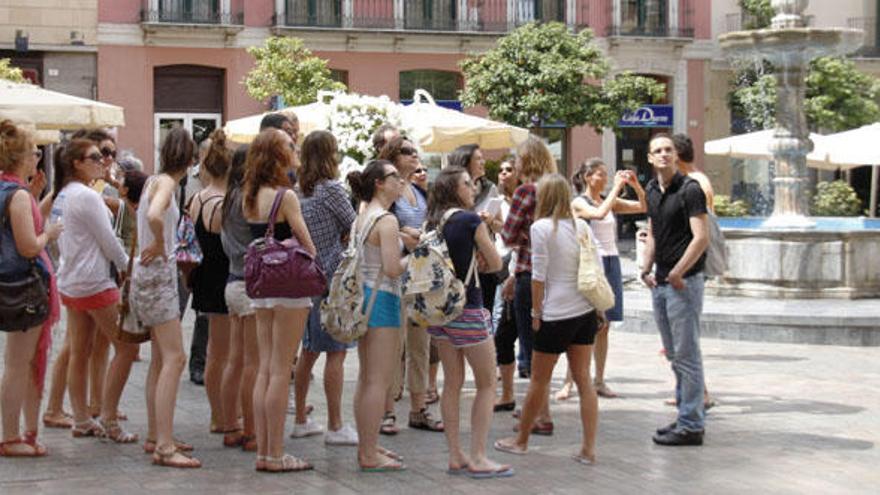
(615, 280)
(386, 309)
(316, 339)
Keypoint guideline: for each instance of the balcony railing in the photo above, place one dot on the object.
(203, 12)
(742, 21)
(870, 47)
(650, 18)
(430, 15)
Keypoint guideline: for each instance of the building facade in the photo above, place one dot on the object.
(54, 42)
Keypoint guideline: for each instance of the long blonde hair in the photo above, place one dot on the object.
(535, 159)
(554, 199)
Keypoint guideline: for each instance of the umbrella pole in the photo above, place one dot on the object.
(873, 203)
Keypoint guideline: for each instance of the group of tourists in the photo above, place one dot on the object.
(513, 246)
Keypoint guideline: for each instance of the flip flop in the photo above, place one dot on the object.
(386, 467)
(583, 459)
(390, 453)
(463, 469)
(500, 472)
(509, 449)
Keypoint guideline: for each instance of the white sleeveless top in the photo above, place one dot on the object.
(172, 215)
(371, 266)
(605, 231)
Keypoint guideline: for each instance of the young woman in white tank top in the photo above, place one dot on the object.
(589, 182)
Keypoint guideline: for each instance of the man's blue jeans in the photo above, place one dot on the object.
(677, 313)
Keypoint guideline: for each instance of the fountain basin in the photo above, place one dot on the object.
(791, 44)
(836, 258)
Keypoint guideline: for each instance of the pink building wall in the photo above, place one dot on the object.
(258, 12)
(125, 78)
(120, 11)
(697, 107)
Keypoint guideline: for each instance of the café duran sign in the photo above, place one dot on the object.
(648, 116)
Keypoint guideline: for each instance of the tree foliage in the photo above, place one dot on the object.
(10, 73)
(757, 13)
(836, 199)
(543, 72)
(285, 67)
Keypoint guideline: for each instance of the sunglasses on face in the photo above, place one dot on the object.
(95, 157)
(408, 151)
(38, 153)
(108, 153)
(508, 170)
(420, 171)
(391, 174)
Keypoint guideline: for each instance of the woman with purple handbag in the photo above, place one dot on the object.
(281, 276)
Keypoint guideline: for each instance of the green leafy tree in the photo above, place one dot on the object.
(836, 199)
(10, 73)
(838, 96)
(543, 72)
(285, 67)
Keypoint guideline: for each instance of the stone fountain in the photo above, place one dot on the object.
(790, 255)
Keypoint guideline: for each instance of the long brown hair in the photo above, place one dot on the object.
(554, 199)
(318, 161)
(65, 156)
(178, 151)
(444, 194)
(587, 169)
(267, 158)
(535, 158)
(219, 156)
(15, 144)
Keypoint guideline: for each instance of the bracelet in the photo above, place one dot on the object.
(536, 313)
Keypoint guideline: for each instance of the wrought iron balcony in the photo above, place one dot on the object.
(650, 18)
(490, 16)
(740, 21)
(871, 46)
(198, 12)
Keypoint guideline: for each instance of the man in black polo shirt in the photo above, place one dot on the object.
(677, 239)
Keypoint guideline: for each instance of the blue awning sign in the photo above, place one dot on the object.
(648, 116)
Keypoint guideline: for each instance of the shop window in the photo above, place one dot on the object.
(644, 17)
(442, 85)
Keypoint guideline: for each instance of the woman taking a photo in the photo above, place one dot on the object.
(378, 186)
(561, 317)
(329, 216)
(468, 338)
(208, 280)
(22, 240)
(600, 211)
(154, 299)
(280, 321)
(87, 248)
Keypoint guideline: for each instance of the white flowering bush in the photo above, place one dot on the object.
(353, 119)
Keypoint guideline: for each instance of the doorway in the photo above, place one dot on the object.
(199, 125)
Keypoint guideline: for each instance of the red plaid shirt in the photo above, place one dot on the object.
(518, 223)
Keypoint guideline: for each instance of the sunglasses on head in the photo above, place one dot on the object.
(107, 152)
(408, 151)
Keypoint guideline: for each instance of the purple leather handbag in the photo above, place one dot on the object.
(275, 268)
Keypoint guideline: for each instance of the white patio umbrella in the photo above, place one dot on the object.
(438, 129)
(756, 145)
(311, 117)
(852, 149)
(51, 110)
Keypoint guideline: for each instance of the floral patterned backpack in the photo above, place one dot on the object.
(432, 292)
(343, 314)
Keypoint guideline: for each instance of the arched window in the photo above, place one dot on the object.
(443, 85)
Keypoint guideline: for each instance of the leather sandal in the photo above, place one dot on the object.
(30, 438)
(175, 458)
(150, 446)
(34, 451)
(422, 420)
(114, 432)
(286, 464)
(88, 428)
(233, 438)
(389, 426)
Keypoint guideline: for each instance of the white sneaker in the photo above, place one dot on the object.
(306, 429)
(343, 436)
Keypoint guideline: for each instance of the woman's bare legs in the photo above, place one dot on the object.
(579, 367)
(453, 379)
(565, 392)
(334, 376)
(481, 358)
(97, 371)
(230, 385)
(249, 372)
(302, 377)
(150, 389)
(264, 344)
(17, 379)
(536, 398)
(377, 365)
(55, 406)
(600, 352)
(506, 371)
(169, 341)
(124, 354)
(81, 329)
(215, 363)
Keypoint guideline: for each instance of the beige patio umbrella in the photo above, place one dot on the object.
(311, 117)
(756, 145)
(41, 137)
(53, 110)
(438, 129)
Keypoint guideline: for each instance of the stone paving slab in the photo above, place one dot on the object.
(791, 419)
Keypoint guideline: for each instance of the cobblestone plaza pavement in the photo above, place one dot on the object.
(790, 419)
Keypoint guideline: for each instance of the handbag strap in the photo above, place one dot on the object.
(273, 213)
